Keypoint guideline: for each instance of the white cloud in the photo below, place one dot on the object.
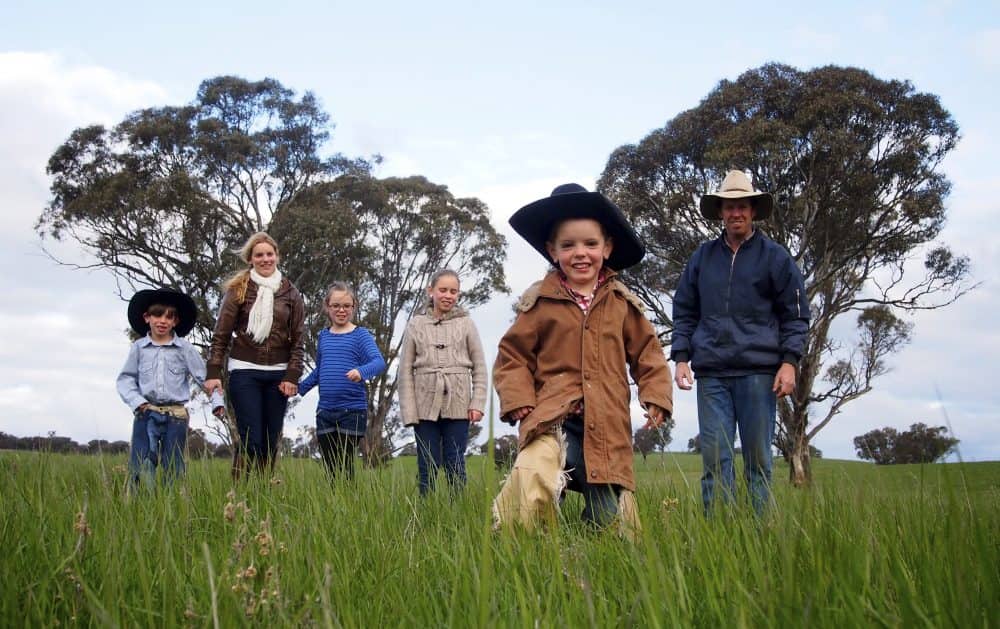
(42, 99)
(61, 331)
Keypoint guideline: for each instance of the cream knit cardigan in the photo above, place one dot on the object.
(442, 368)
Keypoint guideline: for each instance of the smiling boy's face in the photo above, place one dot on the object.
(580, 248)
(161, 321)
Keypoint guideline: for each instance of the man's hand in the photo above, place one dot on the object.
(683, 377)
(784, 380)
(212, 385)
(475, 415)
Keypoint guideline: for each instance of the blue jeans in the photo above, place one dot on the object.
(441, 443)
(157, 441)
(260, 413)
(600, 501)
(725, 404)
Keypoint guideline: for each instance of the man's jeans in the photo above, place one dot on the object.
(725, 404)
(157, 441)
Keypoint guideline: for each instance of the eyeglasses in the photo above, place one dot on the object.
(340, 306)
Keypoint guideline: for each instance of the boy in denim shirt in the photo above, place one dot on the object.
(155, 382)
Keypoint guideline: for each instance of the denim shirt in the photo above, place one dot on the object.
(161, 374)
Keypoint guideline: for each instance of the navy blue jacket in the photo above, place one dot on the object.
(742, 314)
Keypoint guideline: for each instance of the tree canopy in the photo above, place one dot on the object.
(394, 234)
(166, 196)
(854, 164)
(920, 444)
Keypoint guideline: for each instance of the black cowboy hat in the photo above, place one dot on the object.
(187, 312)
(534, 222)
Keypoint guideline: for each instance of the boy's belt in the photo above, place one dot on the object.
(174, 410)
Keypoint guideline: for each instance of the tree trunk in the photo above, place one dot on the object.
(800, 469)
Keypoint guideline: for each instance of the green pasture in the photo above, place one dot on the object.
(903, 546)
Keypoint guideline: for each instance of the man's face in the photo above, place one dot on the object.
(737, 217)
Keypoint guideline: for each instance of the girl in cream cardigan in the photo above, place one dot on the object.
(442, 381)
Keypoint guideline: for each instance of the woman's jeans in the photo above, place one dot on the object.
(725, 404)
(441, 443)
(260, 413)
(157, 441)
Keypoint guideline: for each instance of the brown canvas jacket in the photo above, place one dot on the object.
(283, 345)
(553, 356)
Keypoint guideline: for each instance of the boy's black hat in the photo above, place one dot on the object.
(187, 312)
(534, 222)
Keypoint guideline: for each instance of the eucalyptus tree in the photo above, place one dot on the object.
(854, 164)
(394, 233)
(165, 196)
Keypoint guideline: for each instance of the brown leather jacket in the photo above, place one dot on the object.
(553, 356)
(283, 345)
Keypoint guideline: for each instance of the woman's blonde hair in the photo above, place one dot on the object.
(241, 278)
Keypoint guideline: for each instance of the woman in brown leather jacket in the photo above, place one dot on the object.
(260, 327)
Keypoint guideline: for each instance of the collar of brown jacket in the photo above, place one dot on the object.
(549, 287)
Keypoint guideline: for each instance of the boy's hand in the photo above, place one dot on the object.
(655, 416)
(518, 414)
(212, 385)
(354, 375)
(288, 388)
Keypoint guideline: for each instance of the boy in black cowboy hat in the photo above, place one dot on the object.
(561, 367)
(155, 381)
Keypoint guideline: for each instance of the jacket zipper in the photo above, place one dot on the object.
(729, 285)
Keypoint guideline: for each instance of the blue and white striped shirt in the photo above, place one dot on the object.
(336, 354)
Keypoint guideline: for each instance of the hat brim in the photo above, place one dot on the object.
(534, 222)
(187, 312)
(711, 204)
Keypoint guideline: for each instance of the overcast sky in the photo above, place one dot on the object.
(501, 101)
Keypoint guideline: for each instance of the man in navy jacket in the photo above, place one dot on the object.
(741, 316)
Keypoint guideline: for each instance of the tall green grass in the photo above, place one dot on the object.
(865, 546)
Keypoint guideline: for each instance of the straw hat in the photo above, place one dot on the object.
(736, 185)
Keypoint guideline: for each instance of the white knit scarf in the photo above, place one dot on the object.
(262, 311)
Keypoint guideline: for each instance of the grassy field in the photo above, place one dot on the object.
(904, 546)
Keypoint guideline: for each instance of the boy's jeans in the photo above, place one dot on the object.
(531, 492)
(725, 404)
(157, 441)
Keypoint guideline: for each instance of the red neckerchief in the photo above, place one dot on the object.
(582, 300)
